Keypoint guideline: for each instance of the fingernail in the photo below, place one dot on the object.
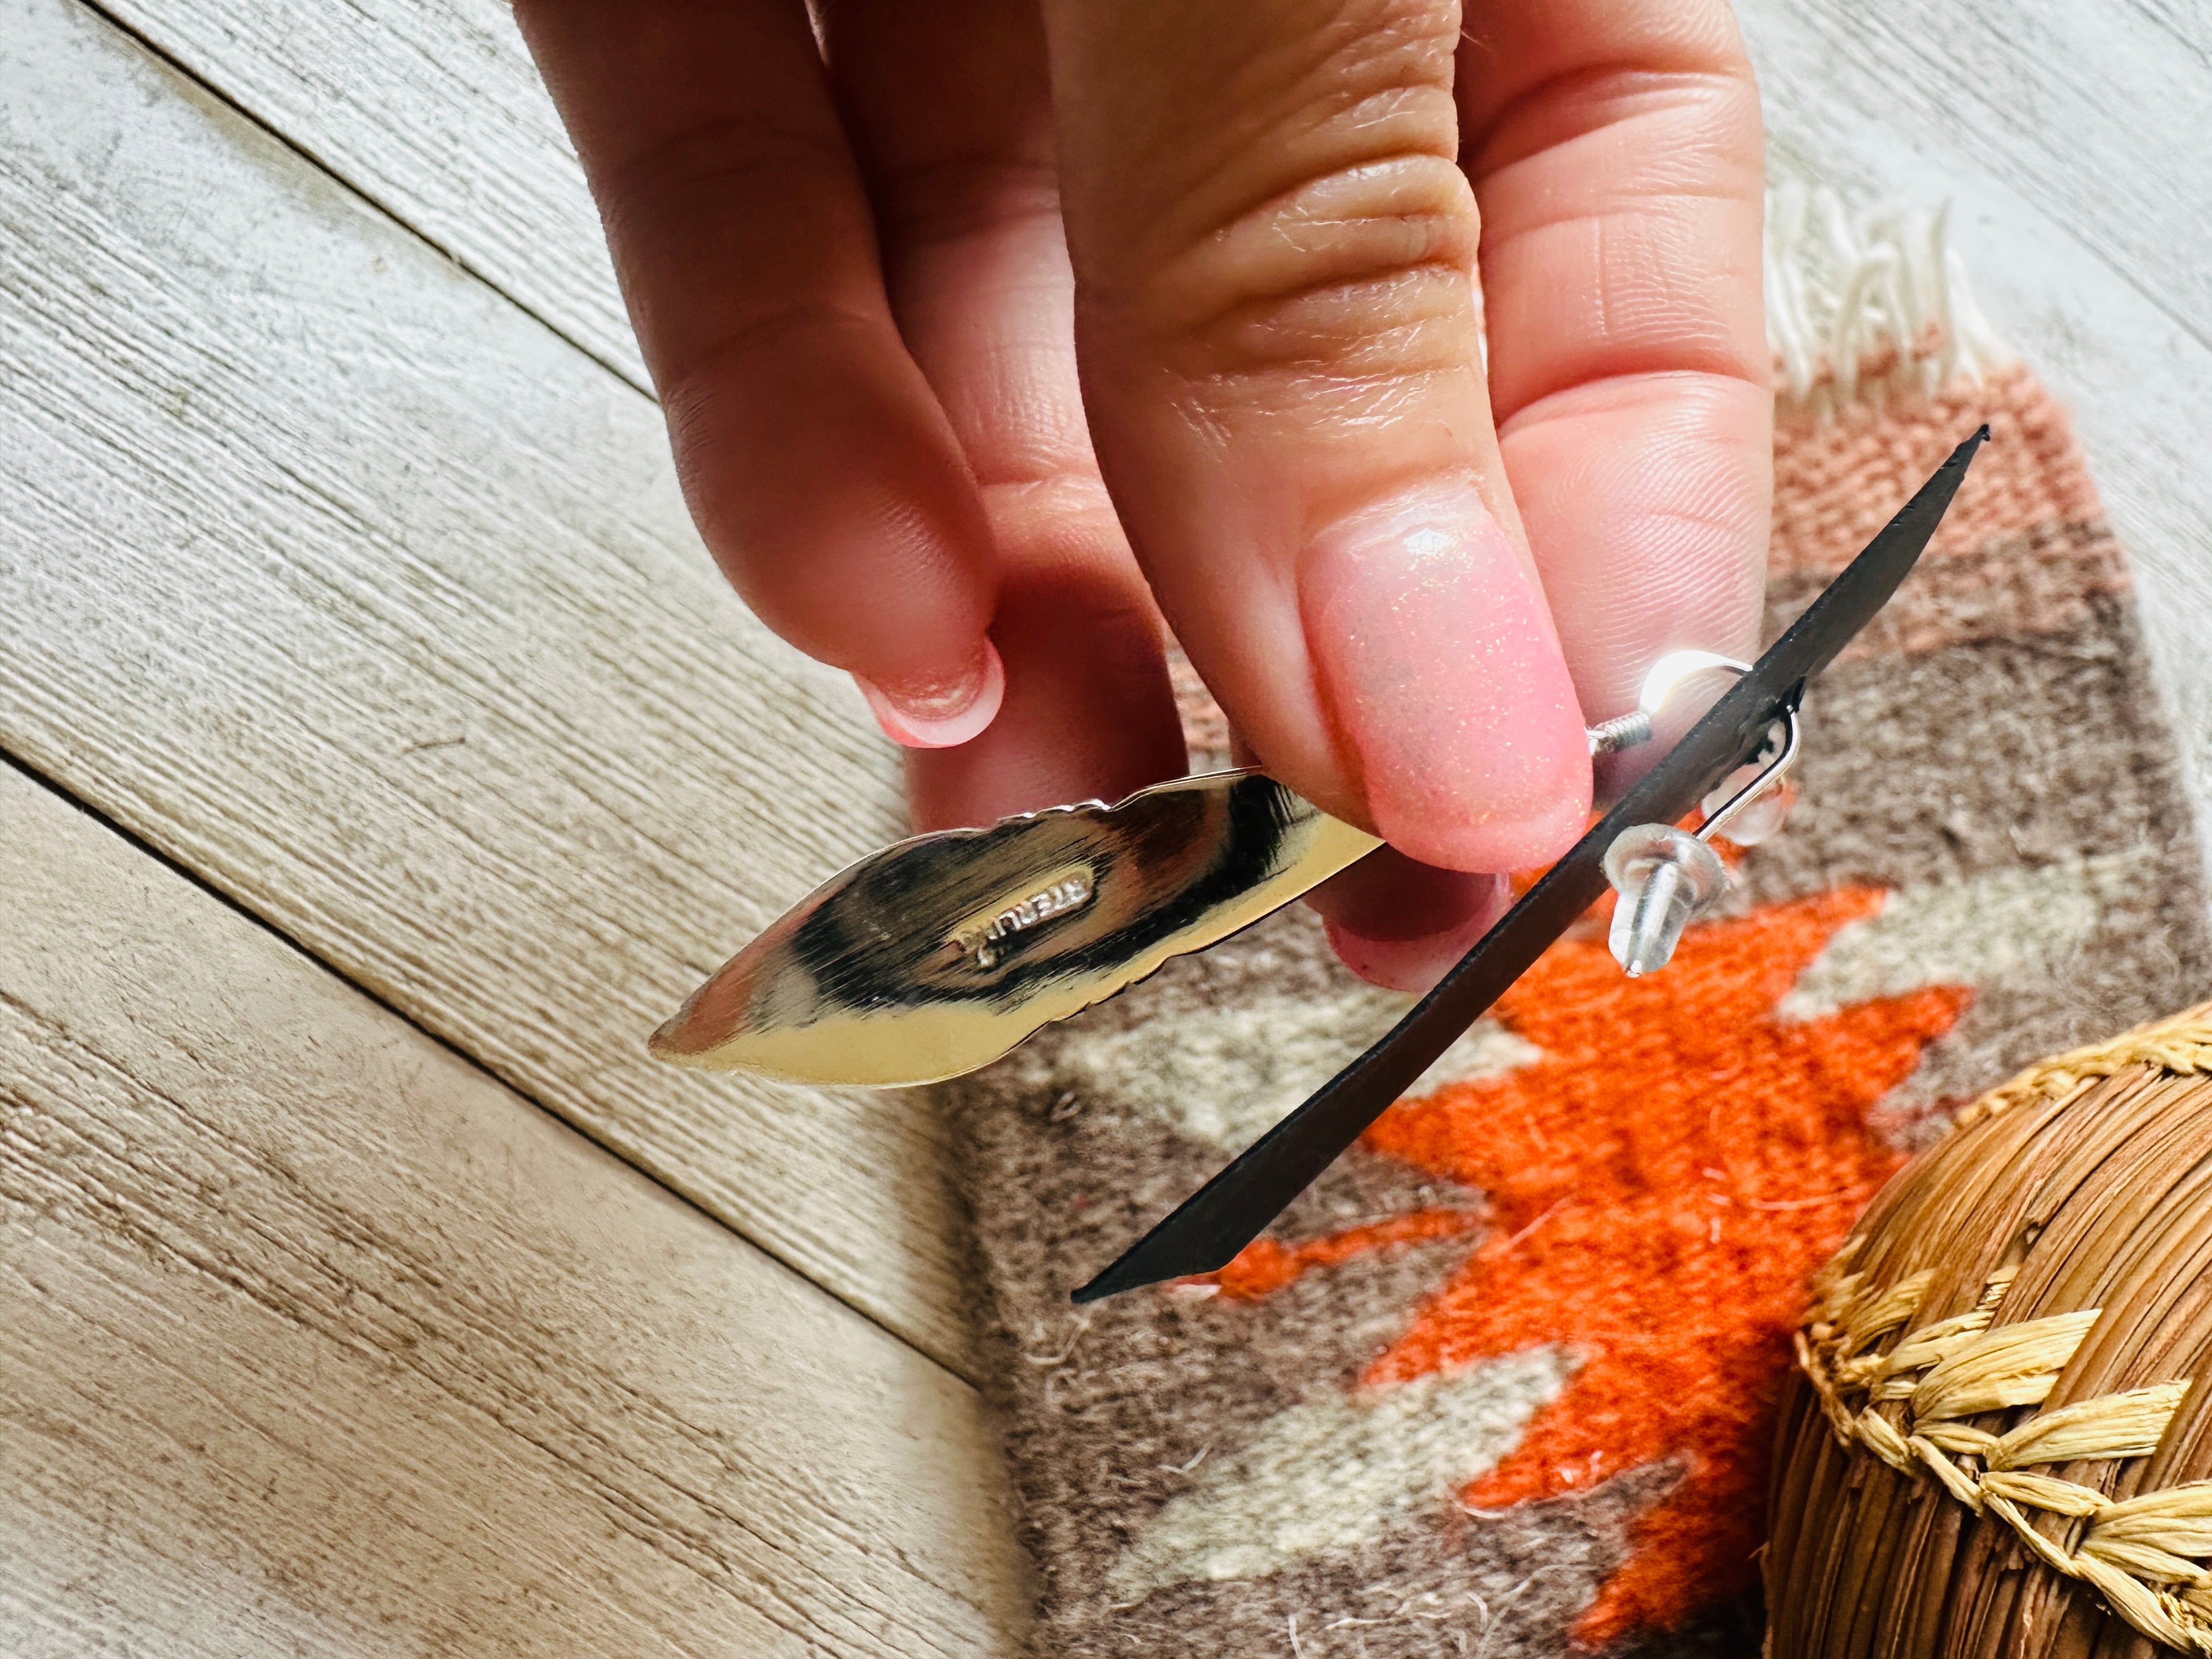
(938, 717)
(1434, 651)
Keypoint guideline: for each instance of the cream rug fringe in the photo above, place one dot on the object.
(1861, 304)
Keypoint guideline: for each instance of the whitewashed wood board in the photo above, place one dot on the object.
(359, 592)
(2095, 110)
(432, 110)
(2068, 135)
(2014, 119)
(319, 1340)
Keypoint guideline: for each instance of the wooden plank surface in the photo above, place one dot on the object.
(2068, 140)
(320, 1340)
(2094, 112)
(360, 594)
(2068, 135)
(344, 574)
(435, 113)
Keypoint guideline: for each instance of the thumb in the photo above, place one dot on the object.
(1280, 342)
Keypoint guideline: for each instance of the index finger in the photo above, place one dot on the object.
(818, 463)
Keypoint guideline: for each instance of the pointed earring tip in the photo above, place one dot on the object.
(1116, 1277)
(1098, 1289)
(1130, 1272)
(1962, 454)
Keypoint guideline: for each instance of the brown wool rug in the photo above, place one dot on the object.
(1503, 1382)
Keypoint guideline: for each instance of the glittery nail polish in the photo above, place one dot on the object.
(1436, 656)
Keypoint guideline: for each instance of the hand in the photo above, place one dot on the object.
(989, 335)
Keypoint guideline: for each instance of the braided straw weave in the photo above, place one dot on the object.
(2020, 1334)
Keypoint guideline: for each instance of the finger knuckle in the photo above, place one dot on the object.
(1336, 229)
(1365, 272)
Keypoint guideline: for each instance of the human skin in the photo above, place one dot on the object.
(996, 337)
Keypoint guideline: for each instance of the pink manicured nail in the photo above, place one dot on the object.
(1434, 651)
(939, 717)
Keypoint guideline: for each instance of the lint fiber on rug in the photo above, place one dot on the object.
(1503, 1382)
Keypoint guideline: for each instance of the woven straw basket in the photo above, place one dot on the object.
(2001, 1442)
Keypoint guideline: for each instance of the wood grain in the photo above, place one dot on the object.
(1899, 102)
(434, 112)
(2094, 112)
(319, 1340)
(357, 591)
(2070, 137)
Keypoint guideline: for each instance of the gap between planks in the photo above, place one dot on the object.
(317, 1336)
(287, 494)
(14, 765)
(596, 325)
(2064, 134)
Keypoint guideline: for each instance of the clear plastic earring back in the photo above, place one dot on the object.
(1665, 878)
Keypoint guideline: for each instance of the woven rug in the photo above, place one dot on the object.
(1503, 1381)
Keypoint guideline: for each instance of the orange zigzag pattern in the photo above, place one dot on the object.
(1660, 1184)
